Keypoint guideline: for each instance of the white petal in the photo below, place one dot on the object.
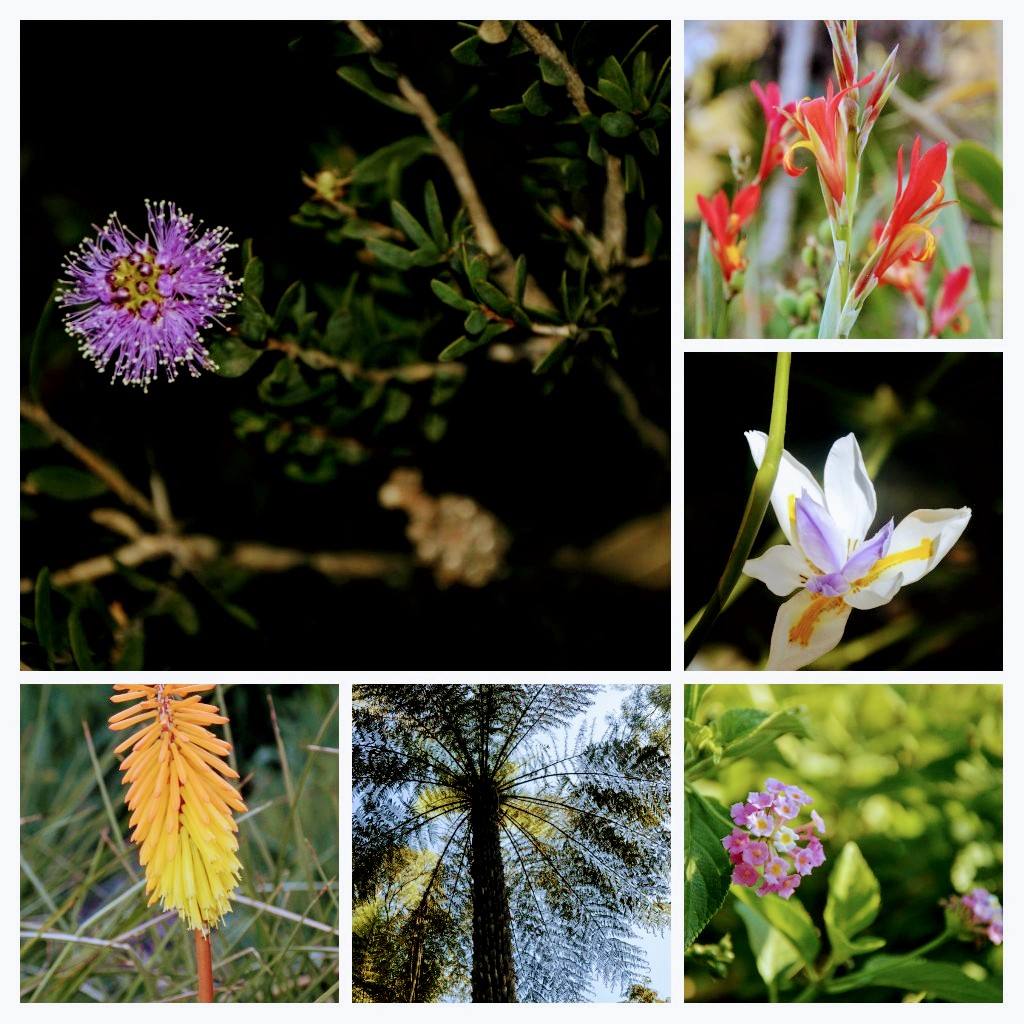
(792, 480)
(921, 541)
(849, 493)
(806, 627)
(882, 591)
(781, 569)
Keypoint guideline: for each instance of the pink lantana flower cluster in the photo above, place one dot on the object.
(765, 846)
(981, 914)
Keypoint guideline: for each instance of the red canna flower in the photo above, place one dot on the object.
(777, 123)
(906, 273)
(725, 225)
(906, 235)
(822, 123)
(949, 304)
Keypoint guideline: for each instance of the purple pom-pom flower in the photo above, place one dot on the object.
(144, 301)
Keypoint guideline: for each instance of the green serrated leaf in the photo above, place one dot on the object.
(706, 867)
(232, 356)
(361, 80)
(533, 100)
(66, 483)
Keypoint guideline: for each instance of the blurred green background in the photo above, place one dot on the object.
(912, 774)
(80, 877)
(949, 88)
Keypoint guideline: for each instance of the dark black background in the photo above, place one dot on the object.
(955, 460)
(223, 118)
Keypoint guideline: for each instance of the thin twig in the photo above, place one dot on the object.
(410, 373)
(96, 465)
(613, 241)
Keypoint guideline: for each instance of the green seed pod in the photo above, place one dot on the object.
(809, 255)
(803, 332)
(737, 281)
(786, 303)
(806, 305)
(807, 284)
(825, 232)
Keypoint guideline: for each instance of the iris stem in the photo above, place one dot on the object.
(753, 515)
(204, 967)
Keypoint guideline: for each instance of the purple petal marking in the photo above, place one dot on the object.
(831, 585)
(818, 535)
(861, 561)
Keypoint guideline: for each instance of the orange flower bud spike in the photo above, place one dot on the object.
(181, 803)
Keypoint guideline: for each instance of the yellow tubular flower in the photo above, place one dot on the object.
(180, 799)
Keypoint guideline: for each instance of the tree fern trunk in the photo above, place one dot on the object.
(494, 972)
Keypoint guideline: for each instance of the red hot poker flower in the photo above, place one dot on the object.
(906, 234)
(949, 305)
(773, 151)
(725, 225)
(822, 123)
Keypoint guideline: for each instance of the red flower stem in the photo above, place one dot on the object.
(204, 967)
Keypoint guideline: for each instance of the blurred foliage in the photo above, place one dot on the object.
(81, 879)
(909, 782)
(949, 88)
(511, 355)
(929, 427)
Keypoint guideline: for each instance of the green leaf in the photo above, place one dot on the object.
(972, 162)
(80, 649)
(853, 903)
(615, 94)
(643, 76)
(286, 385)
(476, 321)
(66, 483)
(941, 980)
(773, 952)
(414, 230)
(519, 287)
(751, 738)
(391, 255)
(706, 864)
(618, 124)
(252, 283)
(952, 236)
(494, 297)
(789, 917)
(44, 624)
(391, 159)
(450, 297)
(494, 32)
(362, 80)
(462, 345)
(712, 312)
(649, 137)
(232, 356)
(611, 71)
(512, 114)
(738, 722)
(533, 100)
(653, 229)
(435, 219)
(468, 52)
(551, 72)
(254, 323)
(32, 438)
(133, 647)
(829, 325)
(292, 305)
(37, 358)
(693, 697)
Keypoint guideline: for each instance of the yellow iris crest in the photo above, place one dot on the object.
(180, 799)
